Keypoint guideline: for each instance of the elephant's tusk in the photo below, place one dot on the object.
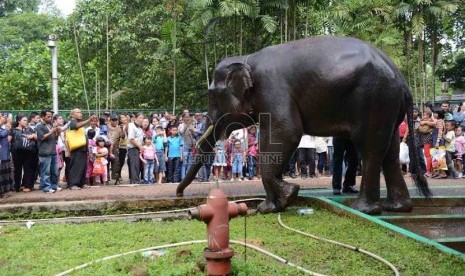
(204, 136)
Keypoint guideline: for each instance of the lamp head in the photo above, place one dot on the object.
(51, 41)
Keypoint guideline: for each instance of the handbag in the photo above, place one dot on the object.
(98, 168)
(75, 138)
(404, 153)
(438, 158)
(21, 142)
(425, 129)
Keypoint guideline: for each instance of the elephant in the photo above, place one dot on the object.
(322, 86)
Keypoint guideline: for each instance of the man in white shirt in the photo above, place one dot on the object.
(135, 146)
(307, 156)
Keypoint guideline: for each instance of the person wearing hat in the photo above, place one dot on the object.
(115, 134)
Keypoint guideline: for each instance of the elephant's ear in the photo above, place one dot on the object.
(239, 78)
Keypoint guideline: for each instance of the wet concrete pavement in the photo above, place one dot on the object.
(310, 186)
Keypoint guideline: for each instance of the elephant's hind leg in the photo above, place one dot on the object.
(398, 197)
(372, 149)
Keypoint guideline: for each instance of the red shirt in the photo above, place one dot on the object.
(403, 129)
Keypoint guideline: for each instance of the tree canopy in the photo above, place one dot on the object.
(161, 53)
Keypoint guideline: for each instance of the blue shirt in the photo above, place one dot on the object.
(4, 145)
(174, 146)
(158, 142)
(460, 118)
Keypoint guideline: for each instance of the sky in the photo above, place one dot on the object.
(65, 6)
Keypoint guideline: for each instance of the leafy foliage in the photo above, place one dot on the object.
(454, 72)
(152, 42)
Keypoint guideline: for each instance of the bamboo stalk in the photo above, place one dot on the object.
(108, 69)
(82, 72)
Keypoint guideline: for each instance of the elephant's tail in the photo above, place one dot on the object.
(418, 177)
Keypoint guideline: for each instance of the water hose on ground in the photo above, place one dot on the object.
(278, 258)
(263, 251)
(356, 249)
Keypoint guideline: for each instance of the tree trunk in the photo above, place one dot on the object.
(425, 83)
(240, 37)
(108, 68)
(420, 63)
(174, 56)
(285, 26)
(281, 28)
(225, 41)
(415, 91)
(306, 24)
(214, 44)
(294, 25)
(206, 60)
(235, 34)
(434, 37)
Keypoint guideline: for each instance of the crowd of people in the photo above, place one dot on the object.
(160, 148)
(436, 127)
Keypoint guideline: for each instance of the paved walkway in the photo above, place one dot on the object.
(310, 186)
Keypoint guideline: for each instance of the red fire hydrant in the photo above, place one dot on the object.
(216, 213)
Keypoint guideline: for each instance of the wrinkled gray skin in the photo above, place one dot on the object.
(322, 86)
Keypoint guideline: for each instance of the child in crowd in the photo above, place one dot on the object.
(426, 130)
(160, 142)
(459, 150)
(101, 155)
(220, 158)
(149, 157)
(450, 149)
(438, 132)
(252, 152)
(237, 160)
(90, 156)
(174, 156)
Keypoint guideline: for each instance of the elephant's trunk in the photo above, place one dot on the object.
(204, 147)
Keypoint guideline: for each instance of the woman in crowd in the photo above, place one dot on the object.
(146, 128)
(459, 117)
(154, 124)
(24, 153)
(6, 183)
(78, 156)
(123, 143)
(171, 123)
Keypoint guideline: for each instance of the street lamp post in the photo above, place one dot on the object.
(52, 45)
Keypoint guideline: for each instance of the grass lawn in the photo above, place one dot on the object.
(50, 249)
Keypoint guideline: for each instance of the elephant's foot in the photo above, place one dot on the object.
(266, 207)
(398, 205)
(372, 208)
(287, 193)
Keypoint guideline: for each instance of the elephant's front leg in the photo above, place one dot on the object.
(274, 158)
(279, 193)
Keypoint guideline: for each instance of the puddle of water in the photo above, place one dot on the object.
(438, 219)
(433, 228)
(459, 246)
(433, 210)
